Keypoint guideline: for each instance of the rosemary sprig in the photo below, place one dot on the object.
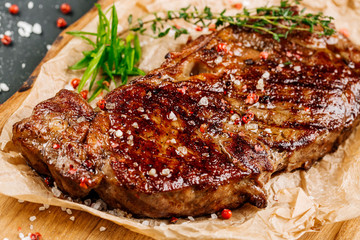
(112, 56)
(266, 20)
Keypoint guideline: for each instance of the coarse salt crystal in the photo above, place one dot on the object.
(23, 65)
(237, 52)
(172, 116)
(68, 211)
(214, 216)
(266, 75)
(152, 172)
(281, 65)
(56, 191)
(46, 206)
(204, 101)
(32, 218)
(130, 140)
(181, 151)
(4, 87)
(48, 46)
(8, 33)
(25, 29)
(218, 60)
(7, 4)
(37, 28)
(297, 68)
(165, 172)
(31, 227)
(351, 65)
(146, 223)
(135, 125)
(30, 5)
(72, 218)
(21, 235)
(141, 109)
(260, 84)
(118, 133)
(87, 202)
(173, 140)
(234, 117)
(21, 201)
(5, 239)
(102, 229)
(237, 82)
(63, 209)
(191, 218)
(145, 116)
(268, 130)
(42, 208)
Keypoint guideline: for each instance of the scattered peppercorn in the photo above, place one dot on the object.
(75, 82)
(84, 93)
(249, 61)
(56, 146)
(344, 32)
(101, 104)
(265, 99)
(61, 23)
(173, 220)
(198, 28)
(264, 55)
(252, 98)
(226, 214)
(238, 6)
(65, 8)
(221, 47)
(35, 236)
(6, 40)
(212, 27)
(247, 117)
(83, 181)
(14, 9)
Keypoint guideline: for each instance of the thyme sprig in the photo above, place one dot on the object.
(112, 56)
(266, 20)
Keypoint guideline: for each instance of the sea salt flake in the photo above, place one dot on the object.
(56, 191)
(152, 172)
(72, 218)
(118, 133)
(135, 125)
(68, 211)
(32, 218)
(102, 229)
(42, 208)
(191, 218)
(165, 172)
(30, 5)
(266, 75)
(181, 151)
(37, 28)
(218, 60)
(4, 87)
(172, 116)
(204, 101)
(260, 84)
(214, 216)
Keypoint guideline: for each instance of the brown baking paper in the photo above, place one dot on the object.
(299, 202)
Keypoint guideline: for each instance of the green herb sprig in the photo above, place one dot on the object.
(263, 19)
(112, 56)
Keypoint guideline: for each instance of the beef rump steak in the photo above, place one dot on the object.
(207, 129)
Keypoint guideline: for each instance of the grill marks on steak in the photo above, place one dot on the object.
(173, 142)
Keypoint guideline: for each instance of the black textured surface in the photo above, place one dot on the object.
(30, 51)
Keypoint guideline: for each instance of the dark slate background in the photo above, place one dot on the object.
(31, 50)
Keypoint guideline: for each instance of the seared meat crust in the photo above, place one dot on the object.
(207, 129)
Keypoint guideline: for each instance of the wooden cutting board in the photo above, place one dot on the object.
(53, 223)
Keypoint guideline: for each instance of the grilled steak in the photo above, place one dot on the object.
(207, 129)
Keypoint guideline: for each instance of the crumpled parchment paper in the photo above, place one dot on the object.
(300, 201)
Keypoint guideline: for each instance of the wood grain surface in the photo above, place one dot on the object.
(53, 223)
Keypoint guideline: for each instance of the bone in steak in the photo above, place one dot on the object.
(207, 129)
